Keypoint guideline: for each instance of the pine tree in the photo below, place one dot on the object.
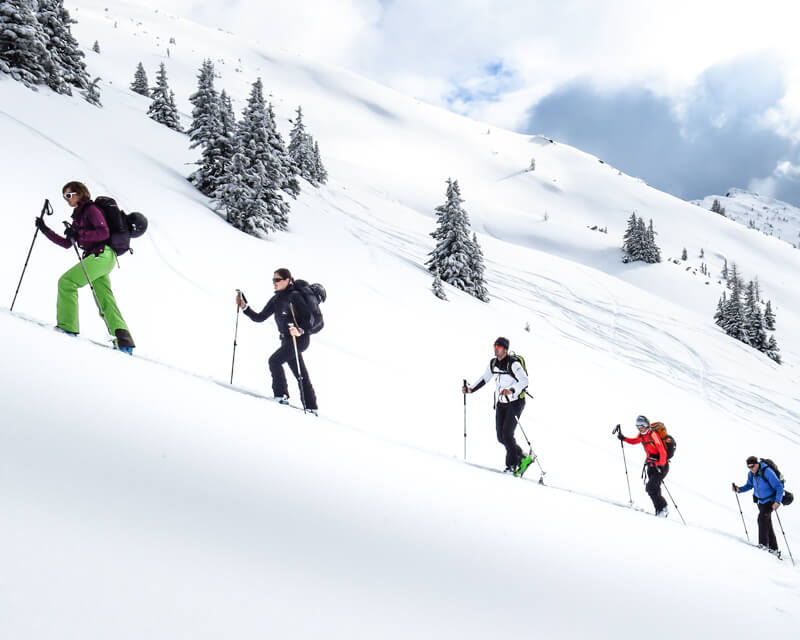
(205, 115)
(23, 44)
(92, 94)
(725, 269)
(769, 317)
(163, 109)
(702, 253)
(753, 322)
(652, 253)
(455, 253)
(438, 287)
(773, 350)
(218, 151)
(320, 173)
(733, 314)
(140, 84)
(715, 206)
(286, 169)
(300, 150)
(96, 47)
(250, 188)
(478, 269)
(628, 238)
(719, 315)
(68, 68)
(684, 255)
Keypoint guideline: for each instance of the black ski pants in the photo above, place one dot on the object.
(285, 354)
(655, 476)
(506, 414)
(766, 534)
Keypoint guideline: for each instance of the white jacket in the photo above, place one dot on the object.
(504, 379)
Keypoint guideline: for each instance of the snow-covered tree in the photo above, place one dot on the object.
(638, 242)
(163, 109)
(753, 321)
(769, 317)
(684, 255)
(300, 150)
(96, 47)
(289, 183)
(205, 115)
(92, 93)
(772, 349)
(438, 287)
(478, 269)
(67, 68)
(250, 189)
(23, 44)
(320, 173)
(140, 84)
(455, 254)
(716, 207)
(218, 151)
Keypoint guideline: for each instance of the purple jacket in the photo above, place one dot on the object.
(90, 223)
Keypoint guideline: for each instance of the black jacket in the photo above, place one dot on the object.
(279, 306)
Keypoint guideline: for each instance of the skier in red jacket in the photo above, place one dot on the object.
(656, 463)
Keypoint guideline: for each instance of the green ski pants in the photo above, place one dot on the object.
(98, 268)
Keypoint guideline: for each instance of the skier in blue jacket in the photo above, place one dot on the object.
(768, 491)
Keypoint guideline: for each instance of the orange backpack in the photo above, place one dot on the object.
(669, 442)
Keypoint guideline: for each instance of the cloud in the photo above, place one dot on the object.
(709, 140)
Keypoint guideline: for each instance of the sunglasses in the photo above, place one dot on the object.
(752, 465)
(279, 279)
(69, 196)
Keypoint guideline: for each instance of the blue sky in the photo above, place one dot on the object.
(693, 97)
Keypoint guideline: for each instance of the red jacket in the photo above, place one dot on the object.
(652, 446)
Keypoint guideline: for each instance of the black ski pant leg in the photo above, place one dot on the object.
(655, 476)
(309, 395)
(506, 414)
(276, 362)
(766, 534)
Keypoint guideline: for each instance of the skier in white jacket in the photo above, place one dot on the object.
(511, 382)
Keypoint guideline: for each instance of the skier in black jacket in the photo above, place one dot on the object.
(294, 321)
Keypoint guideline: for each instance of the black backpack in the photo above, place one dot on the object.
(788, 497)
(313, 295)
(121, 226)
(513, 357)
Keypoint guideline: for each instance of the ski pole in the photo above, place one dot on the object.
(297, 360)
(46, 210)
(784, 538)
(664, 484)
(464, 389)
(236, 332)
(625, 462)
(741, 514)
(542, 472)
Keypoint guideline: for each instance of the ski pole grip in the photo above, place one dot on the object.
(46, 209)
(239, 291)
(616, 429)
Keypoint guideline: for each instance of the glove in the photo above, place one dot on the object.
(40, 224)
(735, 488)
(466, 389)
(71, 234)
(620, 436)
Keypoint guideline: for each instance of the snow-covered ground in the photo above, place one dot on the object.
(143, 498)
(762, 213)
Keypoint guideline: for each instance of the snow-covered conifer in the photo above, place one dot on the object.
(438, 287)
(96, 47)
(250, 188)
(68, 68)
(163, 109)
(772, 349)
(205, 115)
(140, 84)
(769, 317)
(23, 44)
(289, 183)
(478, 268)
(320, 172)
(454, 255)
(684, 255)
(92, 93)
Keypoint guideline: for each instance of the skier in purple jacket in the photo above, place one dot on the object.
(89, 231)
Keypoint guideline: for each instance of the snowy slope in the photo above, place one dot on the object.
(201, 511)
(762, 213)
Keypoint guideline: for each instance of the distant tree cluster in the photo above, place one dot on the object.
(245, 167)
(37, 46)
(740, 315)
(304, 153)
(457, 258)
(716, 207)
(639, 243)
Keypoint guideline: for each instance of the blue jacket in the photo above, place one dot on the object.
(765, 484)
